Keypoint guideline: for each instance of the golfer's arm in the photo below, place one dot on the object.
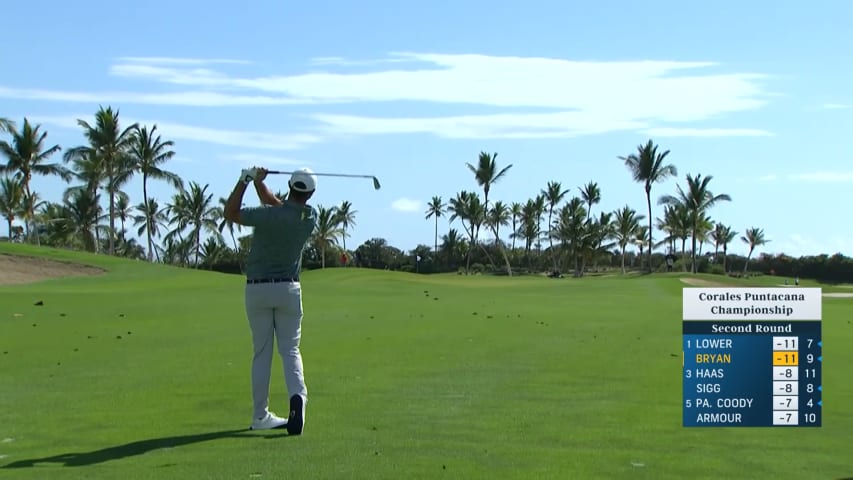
(265, 195)
(232, 205)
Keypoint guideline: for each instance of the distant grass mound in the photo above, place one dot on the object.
(142, 372)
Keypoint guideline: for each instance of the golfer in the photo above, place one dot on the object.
(273, 293)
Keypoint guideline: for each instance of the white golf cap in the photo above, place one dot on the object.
(303, 180)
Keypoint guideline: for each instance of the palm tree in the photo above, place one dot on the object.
(590, 194)
(123, 209)
(626, 225)
(697, 200)
(498, 216)
(467, 206)
(26, 155)
(452, 247)
(641, 240)
(345, 217)
(515, 210)
(601, 231)
(704, 228)
(717, 237)
(647, 167)
(151, 218)
(486, 173)
(130, 248)
(6, 125)
(327, 232)
(572, 230)
(82, 214)
(32, 203)
(435, 208)
(213, 251)
(727, 236)
(87, 167)
(539, 203)
(176, 250)
(194, 208)
(149, 152)
(225, 223)
(677, 223)
(553, 194)
(530, 227)
(669, 225)
(58, 231)
(112, 147)
(754, 238)
(11, 194)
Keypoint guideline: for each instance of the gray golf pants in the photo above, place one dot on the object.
(274, 310)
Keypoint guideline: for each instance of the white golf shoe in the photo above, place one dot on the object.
(268, 422)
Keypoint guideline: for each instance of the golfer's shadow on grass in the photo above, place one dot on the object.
(138, 448)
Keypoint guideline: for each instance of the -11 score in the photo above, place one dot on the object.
(789, 343)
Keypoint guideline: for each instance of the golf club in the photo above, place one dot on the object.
(375, 180)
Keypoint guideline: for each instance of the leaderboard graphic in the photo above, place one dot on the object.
(752, 357)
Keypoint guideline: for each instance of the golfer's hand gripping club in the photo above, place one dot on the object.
(248, 175)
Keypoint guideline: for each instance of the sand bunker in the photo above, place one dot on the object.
(701, 282)
(15, 269)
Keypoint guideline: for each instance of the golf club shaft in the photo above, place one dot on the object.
(375, 180)
(324, 174)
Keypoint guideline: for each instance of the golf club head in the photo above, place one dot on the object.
(376, 183)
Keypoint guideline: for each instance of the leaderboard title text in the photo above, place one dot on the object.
(752, 303)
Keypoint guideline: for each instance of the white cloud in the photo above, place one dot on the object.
(544, 125)
(653, 89)
(580, 97)
(406, 205)
(196, 76)
(707, 132)
(768, 178)
(236, 138)
(343, 62)
(190, 98)
(177, 131)
(62, 121)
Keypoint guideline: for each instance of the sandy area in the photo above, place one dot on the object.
(16, 269)
(700, 282)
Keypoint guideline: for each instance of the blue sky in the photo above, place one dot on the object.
(756, 94)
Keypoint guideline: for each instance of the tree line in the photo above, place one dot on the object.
(554, 231)
(101, 170)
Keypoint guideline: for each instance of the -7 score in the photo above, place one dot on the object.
(807, 417)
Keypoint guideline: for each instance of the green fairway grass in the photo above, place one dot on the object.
(143, 372)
